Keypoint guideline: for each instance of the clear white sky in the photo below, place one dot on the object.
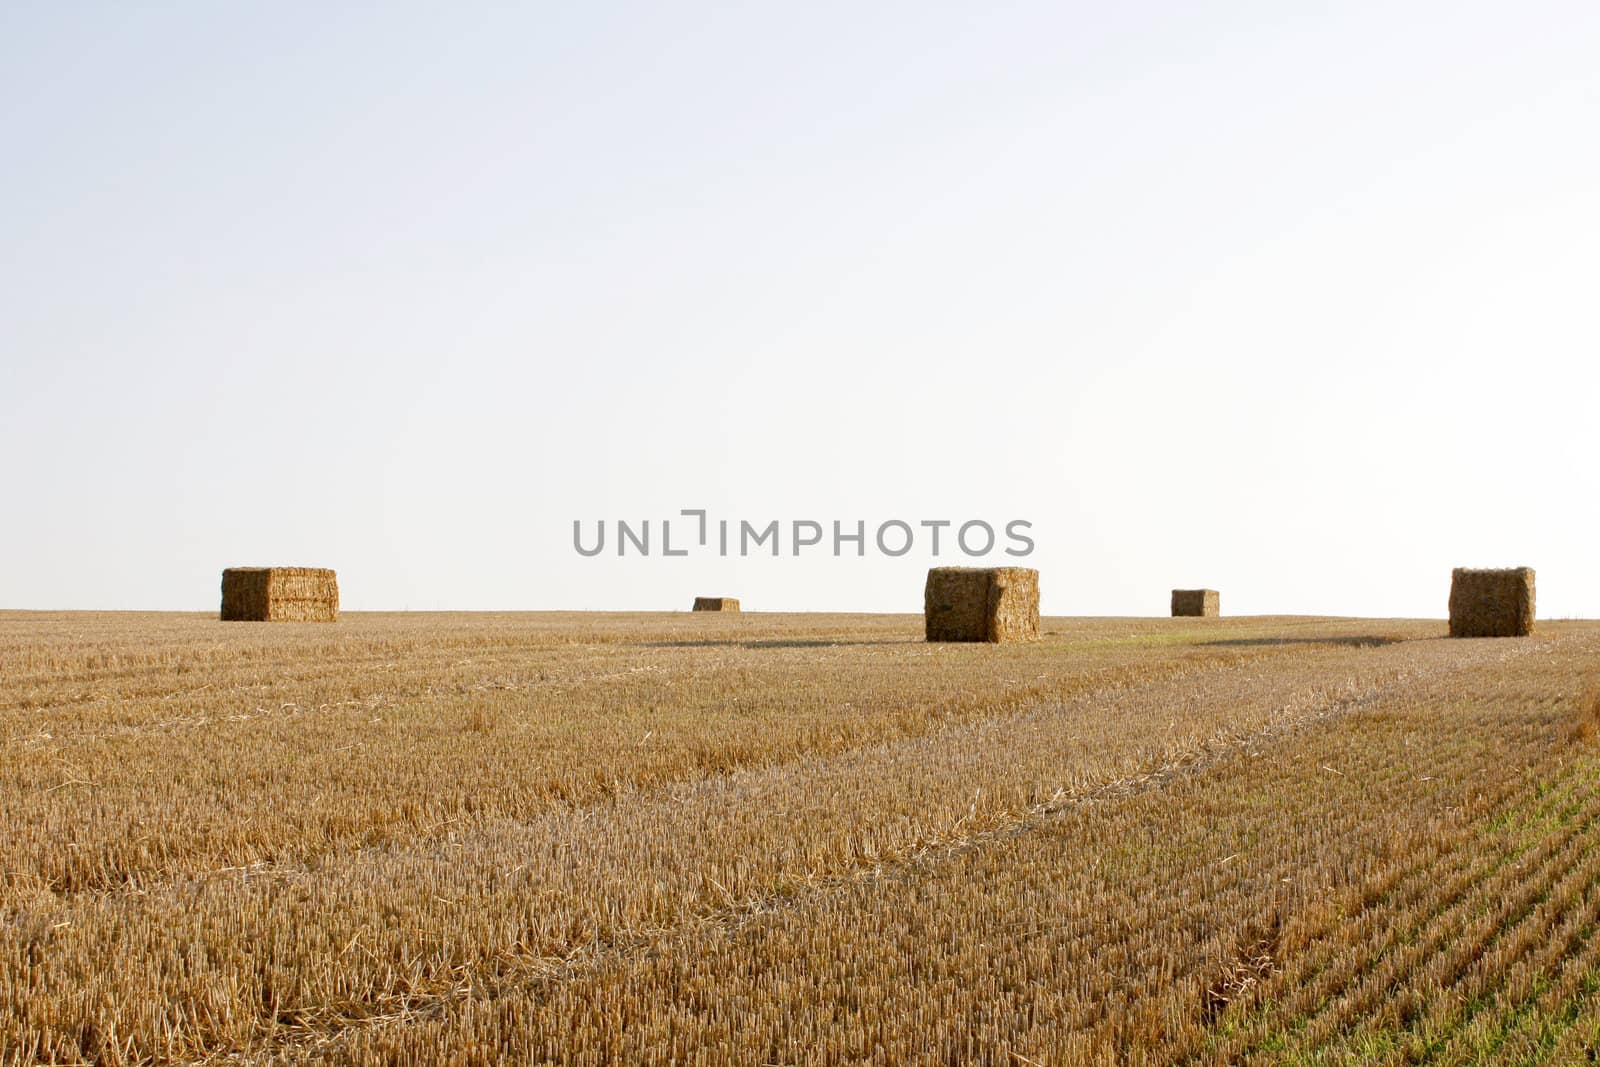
(1297, 301)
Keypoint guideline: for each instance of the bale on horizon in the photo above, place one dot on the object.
(995, 604)
(716, 603)
(1491, 603)
(280, 594)
(1200, 603)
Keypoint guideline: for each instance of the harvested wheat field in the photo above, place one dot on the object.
(795, 839)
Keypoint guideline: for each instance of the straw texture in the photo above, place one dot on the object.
(1491, 603)
(1201, 603)
(995, 604)
(280, 594)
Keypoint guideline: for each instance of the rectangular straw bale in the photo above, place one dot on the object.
(1491, 603)
(280, 594)
(1200, 603)
(995, 604)
(716, 603)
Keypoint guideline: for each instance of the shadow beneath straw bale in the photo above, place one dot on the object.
(1363, 641)
(709, 642)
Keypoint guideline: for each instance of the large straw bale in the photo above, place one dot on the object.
(280, 594)
(993, 604)
(716, 603)
(1491, 603)
(1200, 603)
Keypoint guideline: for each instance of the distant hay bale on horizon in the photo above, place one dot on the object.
(716, 603)
(280, 594)
(994, 604)
(1491, 603)
(1197, 603)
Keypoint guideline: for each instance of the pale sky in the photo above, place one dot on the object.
(1295, 301)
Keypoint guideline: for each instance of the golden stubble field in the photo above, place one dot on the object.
(485, 838)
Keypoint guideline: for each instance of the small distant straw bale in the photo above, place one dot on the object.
(995, 604)
(1202, 603)
(1491, 603)
(716, 603)
(280, 594)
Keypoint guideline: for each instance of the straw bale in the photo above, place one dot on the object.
(1491, 603)
(1201, 603)
(995, 604)
(280, 594)
(716, 603)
